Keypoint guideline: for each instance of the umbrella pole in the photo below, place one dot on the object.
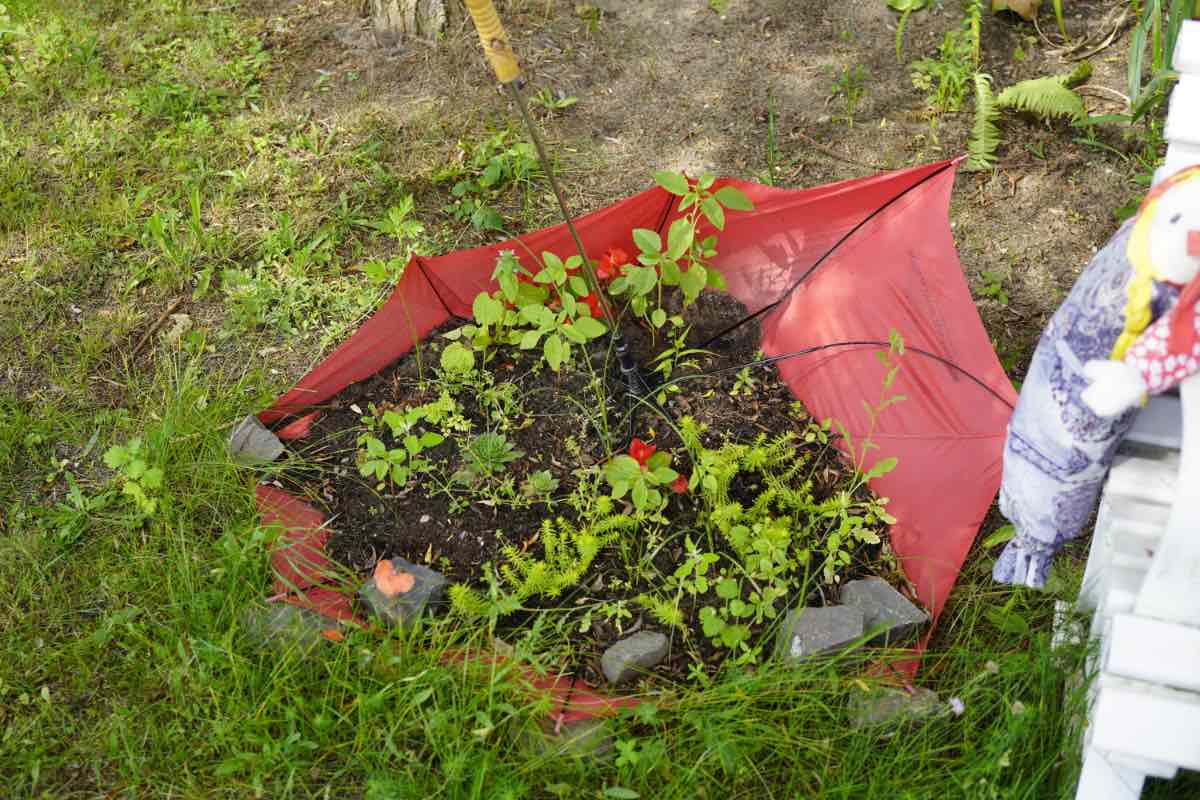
(635, 383)
(504, 63)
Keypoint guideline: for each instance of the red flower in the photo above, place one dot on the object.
(610, 266)
(679, 485)
(640, 452)
(594, 304)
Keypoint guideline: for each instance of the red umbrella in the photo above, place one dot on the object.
(830, 271)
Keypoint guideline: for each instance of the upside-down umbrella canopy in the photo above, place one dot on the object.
(842, 265)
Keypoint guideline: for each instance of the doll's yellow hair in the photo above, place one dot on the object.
(1141, 286)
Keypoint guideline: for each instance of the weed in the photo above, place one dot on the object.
(993, 287)
(772, 144)
(947, 76)
(744, 383)
(485, 173)
(551, 102)
(851, 85)
(140, 482)
(1158, 28)
(488, 454)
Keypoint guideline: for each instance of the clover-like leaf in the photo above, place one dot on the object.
(728, 588)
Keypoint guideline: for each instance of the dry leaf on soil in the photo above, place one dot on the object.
(1026, 9)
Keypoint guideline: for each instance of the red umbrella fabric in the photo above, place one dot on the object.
(834, 268)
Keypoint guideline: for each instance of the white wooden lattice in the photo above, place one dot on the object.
(1142, 583)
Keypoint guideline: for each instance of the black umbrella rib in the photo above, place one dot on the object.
(808, 273)
(762, 362)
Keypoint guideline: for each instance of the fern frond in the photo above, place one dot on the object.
(1044, 97)
(664, 612)
(690, 431)
(567, 555)
(985, 136)
(466, 601)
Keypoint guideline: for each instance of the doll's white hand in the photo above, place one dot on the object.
(1115, 387)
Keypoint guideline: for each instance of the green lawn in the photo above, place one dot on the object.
(147, 153)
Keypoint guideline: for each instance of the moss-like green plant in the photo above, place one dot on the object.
(568, 553)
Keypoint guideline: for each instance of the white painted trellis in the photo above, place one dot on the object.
(1143, 574)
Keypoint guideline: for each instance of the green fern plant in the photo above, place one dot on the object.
(568, 553)
(1047, 98)
(665, 612)
(985, 136)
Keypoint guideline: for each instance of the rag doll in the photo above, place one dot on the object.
(1064, 432)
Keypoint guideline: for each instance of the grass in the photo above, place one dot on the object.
(148, 153)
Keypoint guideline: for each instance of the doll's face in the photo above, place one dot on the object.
(1175, 233)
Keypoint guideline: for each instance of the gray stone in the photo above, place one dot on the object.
(400, 598)
(892, 706)
(585, 738)
(252, 443)
(811, 631)
(884, 610)
(633, 655)
(286, 626)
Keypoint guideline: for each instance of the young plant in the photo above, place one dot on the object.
(551, 102)
(552, 309)
(568, 553)
(397, 464)
(641, 474)
(676, 354)
(684, 260)
(539, 485)
(140, 482)
(743, 384)
(486, 455)
(851, 85)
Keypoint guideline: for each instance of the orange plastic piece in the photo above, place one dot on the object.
(390, 582)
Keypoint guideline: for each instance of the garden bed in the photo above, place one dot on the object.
(467, 526)
(466, 323)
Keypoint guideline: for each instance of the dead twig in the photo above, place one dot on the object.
(1077, 52)
(158, 323)
(813, 143)
(1098, 89)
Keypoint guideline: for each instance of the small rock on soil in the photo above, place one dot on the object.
(811, 631)
(894, 706)
(252, 443)
(633, 655)
(884, 607)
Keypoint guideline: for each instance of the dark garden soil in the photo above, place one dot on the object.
(432, 521)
